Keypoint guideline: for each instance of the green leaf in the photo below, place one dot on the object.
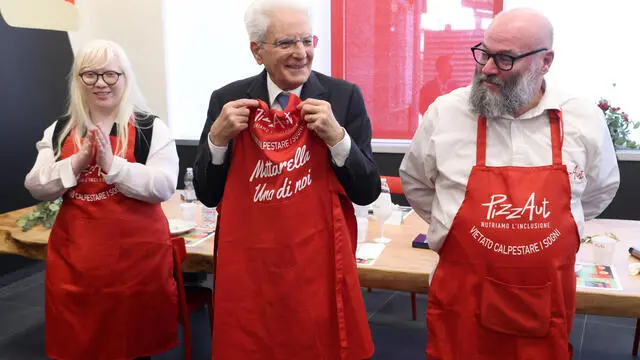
(44, 213)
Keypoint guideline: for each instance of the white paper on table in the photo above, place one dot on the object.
(368, 253)
(599, 277)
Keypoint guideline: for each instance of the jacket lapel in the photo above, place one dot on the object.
(313, 89)
(258, 88)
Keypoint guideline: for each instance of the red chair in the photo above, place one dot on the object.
(189, 297)
(395, 187)
(395, 184)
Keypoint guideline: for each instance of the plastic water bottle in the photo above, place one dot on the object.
(362, 220)
(384, 186)
(189, 191)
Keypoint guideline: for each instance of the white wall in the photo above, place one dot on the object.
(207, 47)
(182, 51)
(136, 25)
(594, 48)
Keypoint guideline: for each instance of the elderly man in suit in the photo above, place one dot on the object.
(286, 279)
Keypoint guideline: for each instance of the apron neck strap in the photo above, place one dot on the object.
(557, 137)
(481, 142)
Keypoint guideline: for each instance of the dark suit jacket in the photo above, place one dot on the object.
(359, 176)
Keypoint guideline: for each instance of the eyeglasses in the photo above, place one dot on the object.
(504, 62)
(90, 78)
(289, 43)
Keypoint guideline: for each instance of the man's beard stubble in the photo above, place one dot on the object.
(514, 93)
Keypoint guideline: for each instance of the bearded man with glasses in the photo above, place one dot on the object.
(487, 169)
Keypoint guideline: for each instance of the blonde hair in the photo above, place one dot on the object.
(96, 54)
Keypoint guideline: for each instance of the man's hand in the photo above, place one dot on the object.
(320, 119)
(233, 118)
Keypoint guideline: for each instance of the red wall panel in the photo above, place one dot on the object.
(399, 65)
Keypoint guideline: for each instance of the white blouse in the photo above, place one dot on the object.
(153, 182)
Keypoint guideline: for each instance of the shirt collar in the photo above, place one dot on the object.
(274, 91)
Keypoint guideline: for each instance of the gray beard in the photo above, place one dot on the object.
(514, 93)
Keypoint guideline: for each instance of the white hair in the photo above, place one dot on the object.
(257, 17)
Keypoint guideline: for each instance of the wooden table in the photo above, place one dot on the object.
(625, 303)
(400, 267)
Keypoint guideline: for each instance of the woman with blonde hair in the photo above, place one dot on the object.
(110, 292)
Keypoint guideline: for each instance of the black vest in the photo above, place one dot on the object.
(144, 131)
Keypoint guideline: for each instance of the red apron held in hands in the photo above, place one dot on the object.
(110, 292)
(505, 285)
(286, 284)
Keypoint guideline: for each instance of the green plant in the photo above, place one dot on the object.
(45, 213)
(620, 125)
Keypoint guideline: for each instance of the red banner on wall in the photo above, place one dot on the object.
(403, 54)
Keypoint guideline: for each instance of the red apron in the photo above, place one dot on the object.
(110, 292)
(505, 286)
(286, 284)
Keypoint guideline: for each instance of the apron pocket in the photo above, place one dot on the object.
(515, 309)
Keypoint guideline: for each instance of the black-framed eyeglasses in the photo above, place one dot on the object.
(504, 62)
(90, 78)
(289, 43)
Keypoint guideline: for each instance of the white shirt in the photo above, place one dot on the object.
(153, 182)
(339, 152)
(436, 168)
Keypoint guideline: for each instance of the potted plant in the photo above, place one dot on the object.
(620, 125)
